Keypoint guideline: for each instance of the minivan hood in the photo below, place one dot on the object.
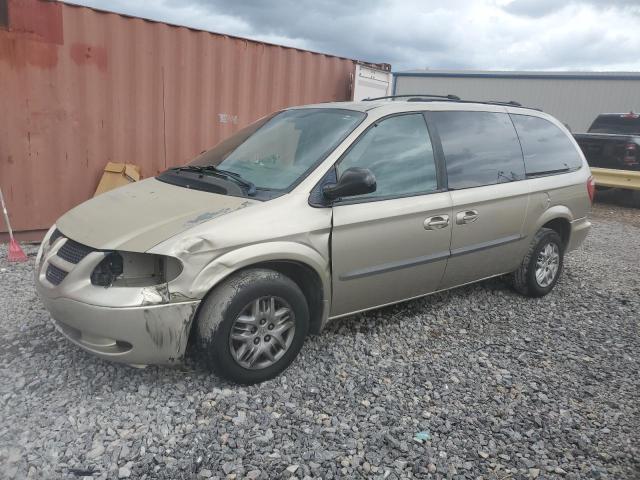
(138, 216)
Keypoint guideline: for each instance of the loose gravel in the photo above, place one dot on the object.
(477, 382)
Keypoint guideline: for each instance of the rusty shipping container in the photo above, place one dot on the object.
(81, 87)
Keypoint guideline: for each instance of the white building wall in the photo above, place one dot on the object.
(574, 101)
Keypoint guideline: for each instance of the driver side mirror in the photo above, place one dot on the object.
(354, 181)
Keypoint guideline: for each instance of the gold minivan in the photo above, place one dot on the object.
(311, 214)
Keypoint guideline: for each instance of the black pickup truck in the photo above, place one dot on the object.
(613, 141)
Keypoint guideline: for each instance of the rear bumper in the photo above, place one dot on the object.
(154, 334)
(579, 231)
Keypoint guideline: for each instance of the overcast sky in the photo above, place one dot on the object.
(410, 34)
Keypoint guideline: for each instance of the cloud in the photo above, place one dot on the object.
(471, 34)
(534, 8)
(541, 8)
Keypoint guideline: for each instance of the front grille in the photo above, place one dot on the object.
(54, 236)
(73, 252)
(55, 275)
(70, 251)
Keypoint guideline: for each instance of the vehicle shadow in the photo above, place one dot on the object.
(617, 205)
(619, 197)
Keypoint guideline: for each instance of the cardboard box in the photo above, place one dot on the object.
(116, 175)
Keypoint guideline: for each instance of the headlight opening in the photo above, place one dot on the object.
(129, 269)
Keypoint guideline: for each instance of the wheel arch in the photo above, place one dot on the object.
(304, 265)
(562, 227)
(309, 282)
(557, 218)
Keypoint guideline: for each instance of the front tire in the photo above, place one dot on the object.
(541, 266)
(252, 326)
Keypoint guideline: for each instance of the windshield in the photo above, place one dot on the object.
(276, 151)
(625, 124)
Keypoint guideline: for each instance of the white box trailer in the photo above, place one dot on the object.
(371, 82)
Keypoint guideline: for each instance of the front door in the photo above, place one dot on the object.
(392, 244)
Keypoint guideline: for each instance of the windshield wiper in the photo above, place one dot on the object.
(250, 186)
(213, 170)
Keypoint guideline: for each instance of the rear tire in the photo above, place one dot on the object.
(541, 266)
(252, 326)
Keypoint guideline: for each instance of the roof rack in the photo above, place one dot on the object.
(420, 95)
(500, 102)
(417, 97)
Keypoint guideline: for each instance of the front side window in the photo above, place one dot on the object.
(480, 148)
(274, 153)
(398, 151)
(546, 148)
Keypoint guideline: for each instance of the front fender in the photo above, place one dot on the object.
(230, 262)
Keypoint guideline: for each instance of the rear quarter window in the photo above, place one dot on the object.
(546, 148)
(480, 148)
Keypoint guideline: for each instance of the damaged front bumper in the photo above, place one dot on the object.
(153, 334)
(135, 325)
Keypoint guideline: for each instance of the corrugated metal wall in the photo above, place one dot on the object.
(574, 101)
(80, 88)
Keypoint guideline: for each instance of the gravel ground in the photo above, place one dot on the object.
(502, 387)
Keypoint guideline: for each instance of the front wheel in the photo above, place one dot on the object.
(252, 326)
(541, 267)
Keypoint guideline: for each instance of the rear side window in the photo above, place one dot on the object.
(546, 148)
(480, 148)
(398, 152)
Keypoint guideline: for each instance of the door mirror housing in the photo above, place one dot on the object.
(354, 181)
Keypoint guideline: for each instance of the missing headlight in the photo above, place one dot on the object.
(108, 270)
(128, 269)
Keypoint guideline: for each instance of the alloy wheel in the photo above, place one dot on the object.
(262, 333)
(547, 264)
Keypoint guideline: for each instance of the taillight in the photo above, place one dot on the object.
(630, 150)
(591, 188)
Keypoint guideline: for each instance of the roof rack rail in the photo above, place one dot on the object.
(512, 103)
(448, 98)
(416, 95)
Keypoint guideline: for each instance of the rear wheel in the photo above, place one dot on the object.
(252, 326)
(541, 267)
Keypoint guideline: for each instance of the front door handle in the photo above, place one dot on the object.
(436, 222)
(466, 216)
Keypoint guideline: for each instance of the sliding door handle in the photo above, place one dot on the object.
(467, 216)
